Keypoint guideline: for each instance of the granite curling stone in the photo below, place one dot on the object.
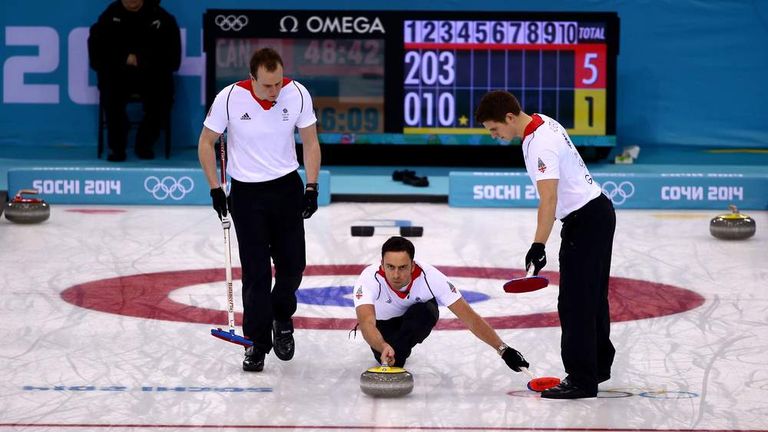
(24, 210)
(732, 226)
(386, 381)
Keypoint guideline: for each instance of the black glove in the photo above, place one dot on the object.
(536, 257)
(514, 359)
(310, 203)
(221, 202)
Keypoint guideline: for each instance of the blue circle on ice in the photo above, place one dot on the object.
(341, 296)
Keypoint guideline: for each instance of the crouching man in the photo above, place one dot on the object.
(396, 305)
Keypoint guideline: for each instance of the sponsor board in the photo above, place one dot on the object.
(686, 190)
(164, 186)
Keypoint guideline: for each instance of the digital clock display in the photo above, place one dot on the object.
(344, 76)
(416, 77)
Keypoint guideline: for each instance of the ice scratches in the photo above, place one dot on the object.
(146, 371)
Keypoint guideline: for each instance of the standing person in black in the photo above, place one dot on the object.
(567, 192)
(268, 200)
(135, 47)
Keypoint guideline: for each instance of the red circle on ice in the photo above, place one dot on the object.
(147, 296)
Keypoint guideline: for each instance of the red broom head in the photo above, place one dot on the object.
(543, 383)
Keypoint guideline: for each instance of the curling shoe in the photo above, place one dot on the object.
(254, 360)
(284, 345)
(568, 389)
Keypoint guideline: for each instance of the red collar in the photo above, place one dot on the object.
(247, 84)
(535, 122)
(402, 294)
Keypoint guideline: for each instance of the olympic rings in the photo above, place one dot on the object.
(613, 394)
(231, 22)
(168, 187)
(618, 193)
(669, 394)
(621, 394)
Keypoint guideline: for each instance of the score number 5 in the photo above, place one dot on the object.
(589, 58)
(590, 67)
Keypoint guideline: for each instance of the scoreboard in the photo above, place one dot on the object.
(416, 77)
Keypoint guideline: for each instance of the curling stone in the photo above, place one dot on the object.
(732, 226)
(23, 210)
(386, 381)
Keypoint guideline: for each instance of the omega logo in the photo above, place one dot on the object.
(345, 24)
(289, 20)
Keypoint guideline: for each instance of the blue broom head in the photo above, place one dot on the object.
(230, 336)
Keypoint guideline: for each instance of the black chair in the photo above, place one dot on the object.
(133, 99)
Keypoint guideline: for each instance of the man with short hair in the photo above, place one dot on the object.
(268, 200)
(567, 192)
(396, 305)
(135, 47)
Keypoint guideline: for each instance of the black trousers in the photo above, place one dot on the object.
(268, 223)
(582, 304)
(116, 88)
(404, 332)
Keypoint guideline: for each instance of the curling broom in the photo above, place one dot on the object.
(527, 283)
(229, 336)
(541, 383)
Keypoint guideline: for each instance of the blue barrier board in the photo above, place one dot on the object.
(671, 190)
(163, 186)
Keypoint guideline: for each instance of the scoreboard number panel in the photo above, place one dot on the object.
(589, 112)
(416, 77)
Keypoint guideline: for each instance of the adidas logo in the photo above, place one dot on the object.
(245, 117)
